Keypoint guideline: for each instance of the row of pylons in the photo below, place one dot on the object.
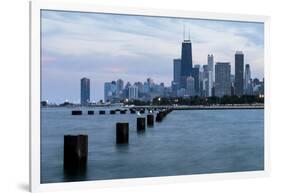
(76, 146)
(115, 111)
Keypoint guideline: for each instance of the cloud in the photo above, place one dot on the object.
(45, 59)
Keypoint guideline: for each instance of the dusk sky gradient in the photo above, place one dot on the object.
(105, 47)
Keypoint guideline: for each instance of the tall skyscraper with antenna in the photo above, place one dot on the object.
(186, 59)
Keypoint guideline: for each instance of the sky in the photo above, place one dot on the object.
(106, 47)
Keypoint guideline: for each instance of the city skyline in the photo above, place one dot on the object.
(66, 56)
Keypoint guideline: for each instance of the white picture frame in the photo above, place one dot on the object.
(36, 6)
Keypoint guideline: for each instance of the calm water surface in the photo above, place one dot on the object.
(185, 142)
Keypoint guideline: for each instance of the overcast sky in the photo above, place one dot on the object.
(105, 47)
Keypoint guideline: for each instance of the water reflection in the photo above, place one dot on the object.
(122, 148)
(75, 174)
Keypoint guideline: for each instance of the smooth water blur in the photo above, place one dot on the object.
(185, 142)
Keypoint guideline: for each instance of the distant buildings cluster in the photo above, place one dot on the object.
(115, 91)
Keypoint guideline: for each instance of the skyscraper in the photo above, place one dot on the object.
(175, 88)
(177, 70)
(113, 88)
(200, 79)
(107, 91)
(239, 73)
(150, 82)
(207, 81)
(248, 81)
(119, 87)
(195, 75)
(209, 86)
(222, 83)
(133, 92)
(186, 61)
(211, 75)
(140, 89)
(190, 86)
(211, 62)
(110, 91)
(85, 91)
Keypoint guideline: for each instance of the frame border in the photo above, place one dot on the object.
(34, 97)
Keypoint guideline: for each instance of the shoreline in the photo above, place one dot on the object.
(182, 107)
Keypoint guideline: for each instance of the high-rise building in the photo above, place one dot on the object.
(248, 81)
(107, 91)
(113, 88)
(201, 79)
(204, 85)
(110, 89)
(211, 62)
(256, 81)
(207, 81)
(150, 82)
(209, 86)
(195, 75)
(140, 89)
(177, 70)
(222, 83)
(133, 92)
(146, 88)
(119, 87)
(239, 73)
(175, 87)
(85, 91)
(212, 74)
(190, 86)
(258, 87)
(186, 61)
(232, 81)
(126, 90)
(128, 84)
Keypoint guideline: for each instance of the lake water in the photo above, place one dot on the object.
(185, 142)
